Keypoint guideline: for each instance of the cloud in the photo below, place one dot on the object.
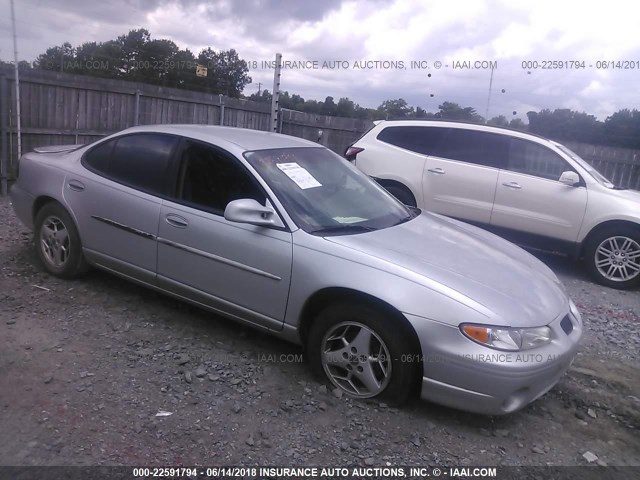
(350, 30)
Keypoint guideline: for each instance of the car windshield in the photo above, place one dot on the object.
(325, 194)
(601, 179)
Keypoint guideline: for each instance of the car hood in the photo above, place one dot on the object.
(514, 287)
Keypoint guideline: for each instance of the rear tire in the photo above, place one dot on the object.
(57, 242)
(364, 352)
(612, 257)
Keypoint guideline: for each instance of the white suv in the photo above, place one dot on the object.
(530, 189)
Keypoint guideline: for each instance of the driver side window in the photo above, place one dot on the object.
(209, 179)
(536, 160)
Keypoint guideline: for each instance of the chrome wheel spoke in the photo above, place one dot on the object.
(618, 258)
(604, 251)
(361, 343)
(367, 376)
(356, 359)
(55, 242)
(336, 358)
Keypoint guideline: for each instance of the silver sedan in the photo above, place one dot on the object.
(284, 235)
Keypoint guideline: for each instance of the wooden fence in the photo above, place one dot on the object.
(620, 165)
(59, 108)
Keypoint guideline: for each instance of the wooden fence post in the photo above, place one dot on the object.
(4, 133)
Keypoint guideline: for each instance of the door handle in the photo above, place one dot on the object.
(514, 185)
(176, 221)
(75, 185)
(437, 171)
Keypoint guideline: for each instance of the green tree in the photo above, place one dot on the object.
(517, 124)
(55, 57)
(499, 121)
(453, 111)
(395, 109)
(566, 124)
(329, 107)
(346, 108)
(623, 128)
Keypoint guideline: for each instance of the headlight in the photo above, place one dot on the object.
(504, 338)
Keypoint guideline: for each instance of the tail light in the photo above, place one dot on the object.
(351, 153)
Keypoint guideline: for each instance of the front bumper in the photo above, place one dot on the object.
(461, 374)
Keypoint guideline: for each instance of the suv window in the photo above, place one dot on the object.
(139, 161)
(471, 146)
(533, 159)
(424, 140)
(210, 179)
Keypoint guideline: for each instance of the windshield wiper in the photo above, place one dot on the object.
(413, 213)
(348, 228)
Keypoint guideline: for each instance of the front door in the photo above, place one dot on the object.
(529, 197)
(239, 269)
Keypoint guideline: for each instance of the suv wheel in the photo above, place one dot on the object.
(612, 257)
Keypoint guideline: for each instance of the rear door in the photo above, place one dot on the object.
(116, 201)
(461, 173)
(529, 197)
(239, 269)
(396, 154)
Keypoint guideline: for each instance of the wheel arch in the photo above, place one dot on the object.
(604, 226)
(40, 202)
(387, 182)
(327, 296)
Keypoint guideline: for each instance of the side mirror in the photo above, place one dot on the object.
(569, 178)
(247, 210)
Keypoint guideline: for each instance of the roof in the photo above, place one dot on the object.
(460, 124)
(243, 138)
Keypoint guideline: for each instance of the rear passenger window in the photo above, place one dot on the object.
(98, 158)
(139, 161)
(424, 140)
(471, 146)
(537, 160)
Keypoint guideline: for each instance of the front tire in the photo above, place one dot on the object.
(57, 242)
(612, 257)
(364, 352)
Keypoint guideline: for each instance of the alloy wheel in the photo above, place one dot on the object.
(356, 359)
(55, 242)
(618, 259)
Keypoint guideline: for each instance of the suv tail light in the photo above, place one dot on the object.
(351, 153)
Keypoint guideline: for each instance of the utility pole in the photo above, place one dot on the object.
(486, 112)
(259, 86)
(15, 62)
(276, 94)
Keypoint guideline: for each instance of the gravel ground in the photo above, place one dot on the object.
(87, 365)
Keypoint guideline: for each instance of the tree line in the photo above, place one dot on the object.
(136, 56)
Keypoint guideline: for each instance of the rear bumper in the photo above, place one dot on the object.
(461, 374)
(22, 203)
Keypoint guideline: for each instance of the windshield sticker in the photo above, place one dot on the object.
(349, 219)
(299, 175)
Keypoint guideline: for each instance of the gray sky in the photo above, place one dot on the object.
(446, 31)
